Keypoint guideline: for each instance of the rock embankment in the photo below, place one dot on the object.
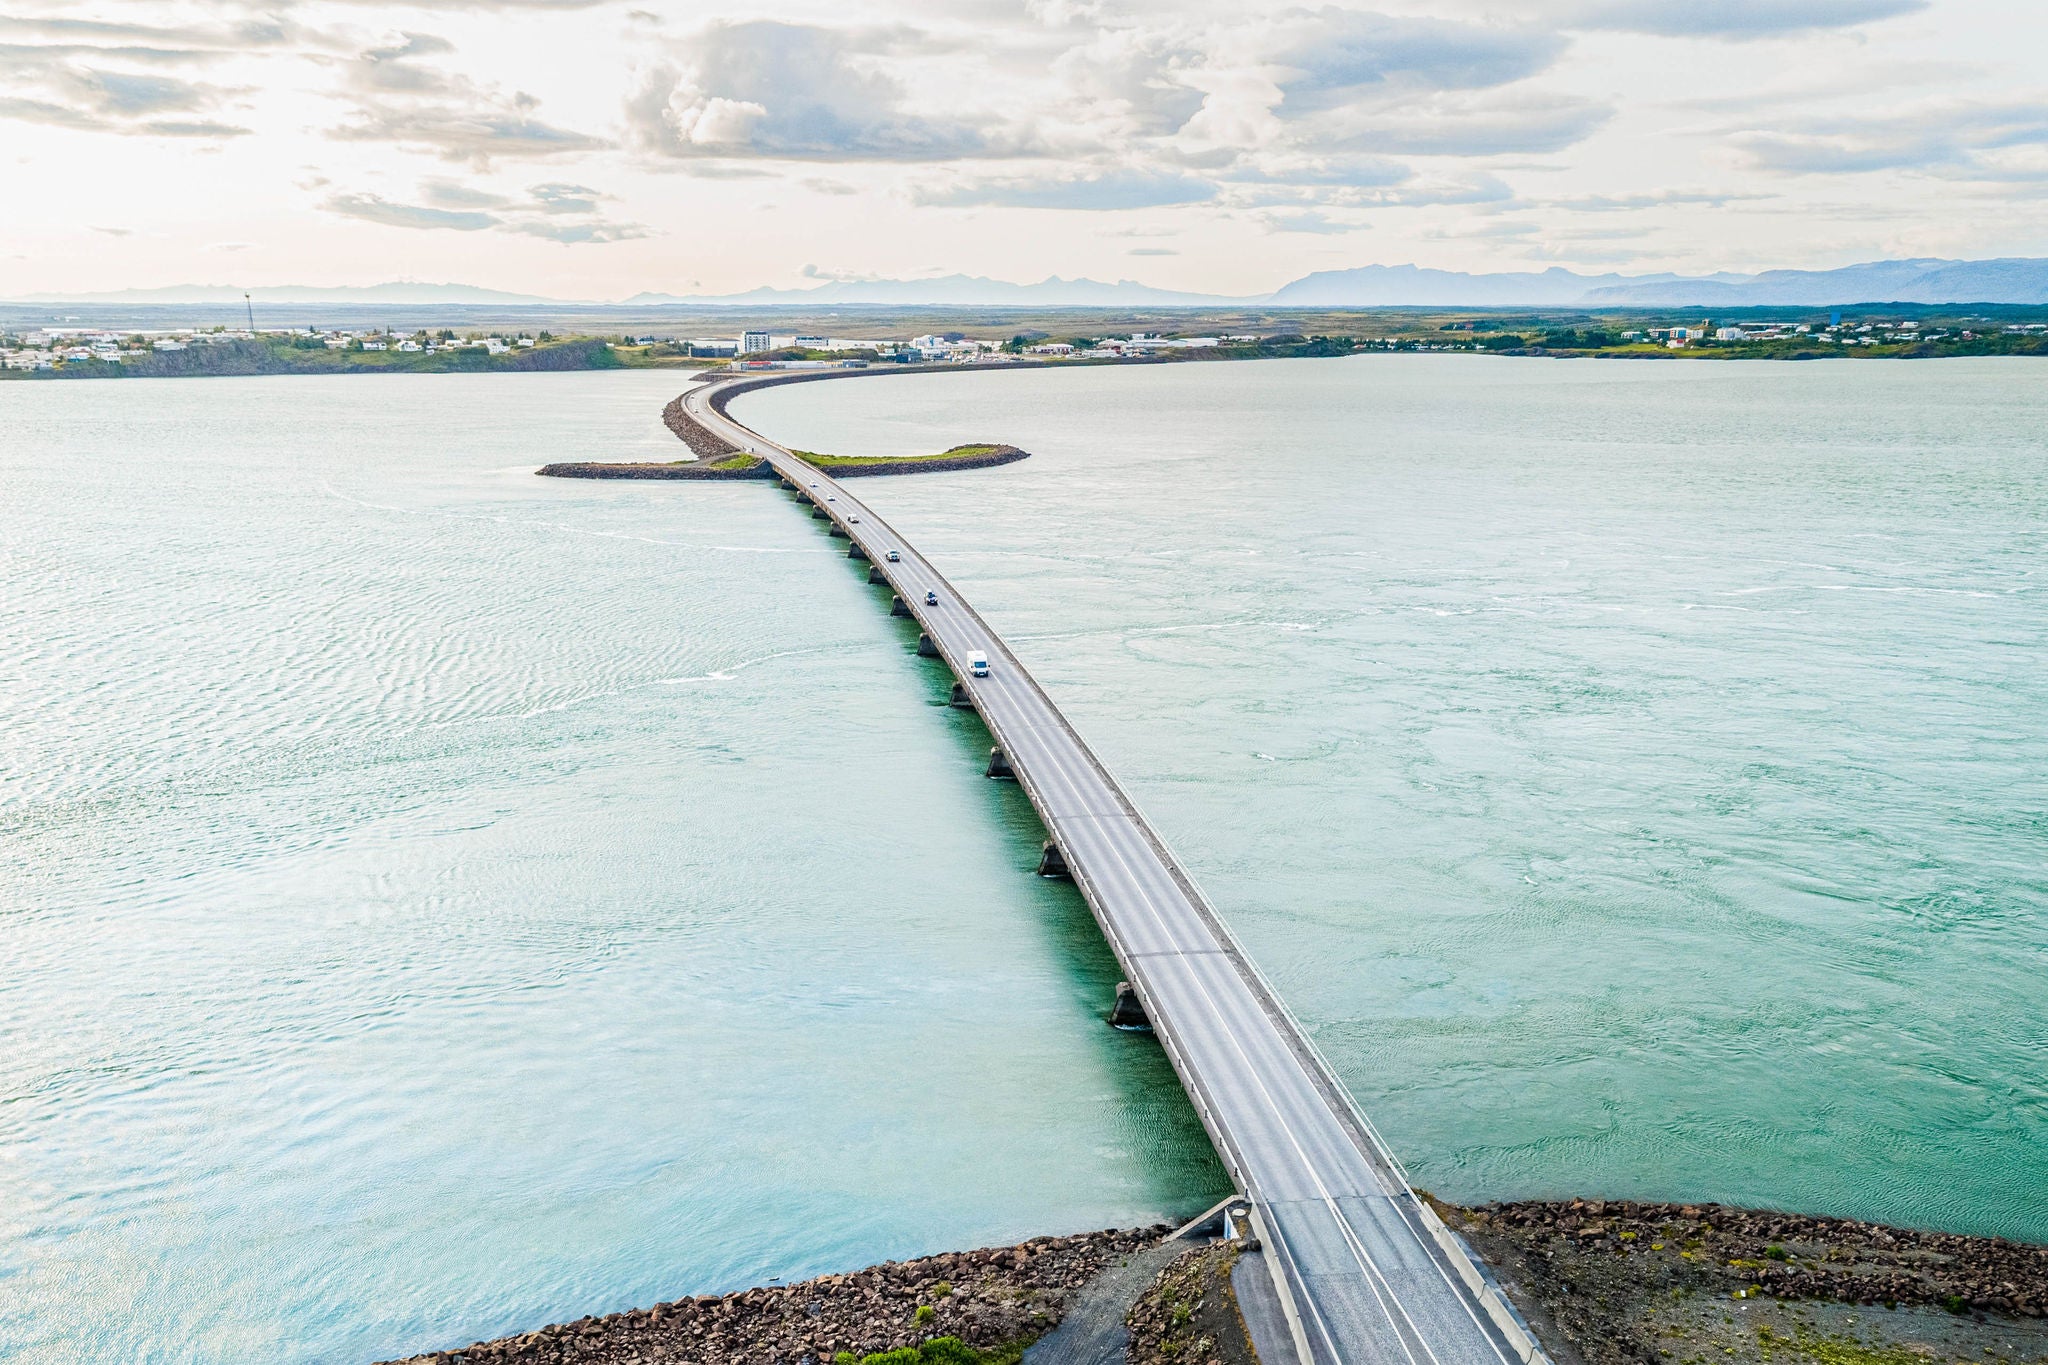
(717, 458)
(704, 444)
(1790, 1256)
(987, 1299)
(1613, 1281)
(1190, 1315)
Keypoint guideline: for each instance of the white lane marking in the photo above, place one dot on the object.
(1375, 1277)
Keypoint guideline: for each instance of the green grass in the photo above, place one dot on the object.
(818, 461)
(1836, 1350)
(939, 1351)
(741, 460)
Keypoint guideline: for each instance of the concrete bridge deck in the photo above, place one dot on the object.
(1365, 1272)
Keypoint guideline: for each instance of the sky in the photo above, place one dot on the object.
(593, 149)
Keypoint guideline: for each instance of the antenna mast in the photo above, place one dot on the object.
(252, 312)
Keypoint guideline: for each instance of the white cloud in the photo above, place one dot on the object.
(1003, 139)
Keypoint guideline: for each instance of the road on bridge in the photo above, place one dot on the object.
(1366, 1272)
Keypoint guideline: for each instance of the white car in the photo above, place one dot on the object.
(854, 520)
(814, 483)
(895, 558)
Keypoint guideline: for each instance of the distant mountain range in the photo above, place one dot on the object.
(401, 294)
(968, 290)
(2012, 280)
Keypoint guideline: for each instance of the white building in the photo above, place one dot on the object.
(753, 343)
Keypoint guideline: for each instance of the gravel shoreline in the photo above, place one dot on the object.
(989, 1299)
(1601, 1282)
(1605, 1282)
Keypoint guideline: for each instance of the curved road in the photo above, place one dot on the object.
(1366, 1272)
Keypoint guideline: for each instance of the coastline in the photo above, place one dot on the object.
(1601, 1282)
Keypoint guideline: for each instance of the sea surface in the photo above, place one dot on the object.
(440, 901)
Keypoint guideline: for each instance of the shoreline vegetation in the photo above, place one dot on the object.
(1602, 1282)
(1927, 335)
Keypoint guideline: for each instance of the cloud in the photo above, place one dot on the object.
(98, 99)
(372, 208)
(1737, 18)
(557, 198)
(453, 194)
(58, 38)
(1630, 203)
(568, 214)
(1962, 141)
(1331, 55)
(1151, 251)
(400, 100)
(571, 234)
(125, 94)
(1308, 220)
(1311, 170)
(1108, 190)
(766, 89)
(1454, 125)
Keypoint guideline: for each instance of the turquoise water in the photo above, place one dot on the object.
(1636, 775)
(441, 901)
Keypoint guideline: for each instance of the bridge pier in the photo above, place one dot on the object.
(875, 574)
(1052, 861)
(999, 766)
(855, 552)
(817, 512)
(1127, 1012)
(839, 531)
(960, 697)
(925, 648)
(898, 607)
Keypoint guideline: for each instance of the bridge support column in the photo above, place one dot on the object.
(1052, 862)
(817, 512)
(898, 607)
(855, 552)
(839, 531)
(875, 574)
(999, 766)
(1127, 1013)
(925, 648)
(960, 697)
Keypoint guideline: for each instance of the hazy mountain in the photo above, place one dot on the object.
(954, 290)
(2019, 280)
(1398, 286)
(2015, 280)
(397, 294)
(2010, 280)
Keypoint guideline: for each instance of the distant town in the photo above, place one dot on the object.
(61, 349)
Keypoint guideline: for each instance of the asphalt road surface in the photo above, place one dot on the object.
(1364, 1269)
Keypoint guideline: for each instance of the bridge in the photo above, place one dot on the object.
(1365, 1272)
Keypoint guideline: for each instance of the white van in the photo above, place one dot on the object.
(977, 664)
